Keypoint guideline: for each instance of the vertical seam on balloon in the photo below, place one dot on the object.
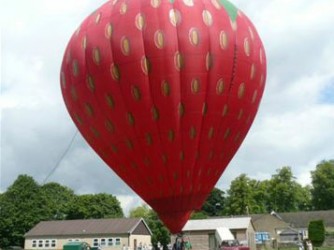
(152, 100)
(179, 117)
(197, 179)
(128, 162)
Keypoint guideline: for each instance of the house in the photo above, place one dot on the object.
(277, 229)
(268, 228)
(201, 233)
(107, 234)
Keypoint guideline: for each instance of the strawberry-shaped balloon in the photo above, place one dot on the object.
(165, 92)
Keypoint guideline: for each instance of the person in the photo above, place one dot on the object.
(187, 244)
(179, 244)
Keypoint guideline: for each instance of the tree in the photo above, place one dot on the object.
(323, 186)
(94, 206)
(283, 191)
(21, 208)
(58, 198)
(140, 212)
(215, 203)
(240, 196)
(316, 232)
(159, 232)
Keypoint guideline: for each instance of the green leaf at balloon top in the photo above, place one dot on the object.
(230, 8)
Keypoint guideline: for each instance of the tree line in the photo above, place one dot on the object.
(25, 202)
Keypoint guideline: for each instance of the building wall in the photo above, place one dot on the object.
(106, 242)
(144, 240)
(199, 240)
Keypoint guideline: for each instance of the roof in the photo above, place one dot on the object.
(302, 219)
(87, 227)
(223, 233)
(213, 224)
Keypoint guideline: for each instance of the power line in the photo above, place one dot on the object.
(61, 158)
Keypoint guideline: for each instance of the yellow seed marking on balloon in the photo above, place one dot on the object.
(192, 132)
(171, 135)
(195, 86)
(108, 30)
(181, 109)
(251, 33)
(189, 3)
(123, 9)
(241, 90)
(207, 17)
(165, 88)
(96, 56)
(174, 17)
(140, 21)
(145, 65)
(254, 97)
(136, 93)
(125, 46)
(95, 132)
(109, 126)
(211, 133)
(115, 73)
(90, 83)
(74, 93)
(261, 56)
(246, 46)
(84, 42)
(211, 154)
(131, 118)
(75, 67)
(129, 144)
(225, 110)
(98, 18)
(216, 4)
(155, 3)
(223, 40)
(227, 133)
(114, 148)
(208, 61)
(178, 61)
(181, 155)
(194, 36)
(155, 113)
(78, 119)
(204, 108)
(240, 114)
(252, 71)
(220, 87)
(149, 139)
(164, 159)
(159, 39)
(89, 109)
(63, 80)
(110, 101)
(237, 137)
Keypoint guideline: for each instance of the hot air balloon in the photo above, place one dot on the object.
(165, 92)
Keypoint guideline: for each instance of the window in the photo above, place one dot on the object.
(110, 242)
(117, 241)
(40, 243)
(103, 242)
(53, 243)
(47, 243)
(34, 243)
(95, 242)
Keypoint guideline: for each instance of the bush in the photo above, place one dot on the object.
(316, 232)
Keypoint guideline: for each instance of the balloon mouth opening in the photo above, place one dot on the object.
(175, 211)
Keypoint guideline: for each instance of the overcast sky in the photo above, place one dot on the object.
(294, 126)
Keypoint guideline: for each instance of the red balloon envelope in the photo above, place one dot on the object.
(165, 92)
